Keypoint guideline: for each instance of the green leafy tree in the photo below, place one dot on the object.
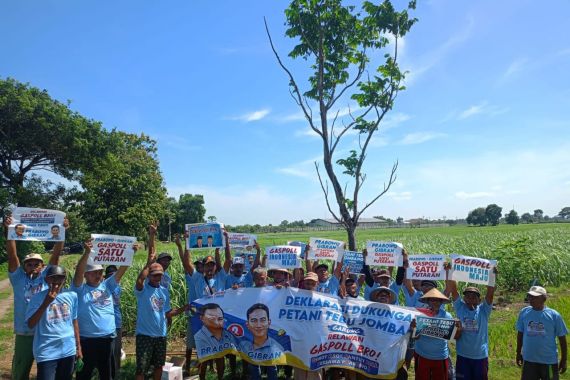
(564, 213)
(477, 217)
(336, 42)
(512, 217)
(493, 214)
(190, 210)
(126, 192)
(527, 218)
(538, 214)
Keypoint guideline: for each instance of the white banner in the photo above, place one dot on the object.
(472, 269)
(238, 240)
(425, 267)
(283, 256)
(305, 329)
(112, 249)
(36, 224)
(384, 253)
(325, 249)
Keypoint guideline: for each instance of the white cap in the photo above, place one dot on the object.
(537, 291)
(238, 260)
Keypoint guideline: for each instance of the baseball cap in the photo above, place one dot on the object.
(55, 270)
(472, 289)
(382, 273)
(321, 266)
(33, 256)
(155, 268)
(537, 291)
(430, 283)
(93, 267)
(311, 276)
(238, 260)
(163, 255)
(110, 270)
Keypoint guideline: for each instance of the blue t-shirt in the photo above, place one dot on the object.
(215, 284)
(208, 344)
(540, 329)
(474, 340)
(191, 288)
(117, 306)
(433, 348)
(166, 280)
(393, 286)
(330, 286)
(269, 350)
(96, 314)
(243, 281)
(413, 301)
(152, 305)
(24, 288)
(54, 336)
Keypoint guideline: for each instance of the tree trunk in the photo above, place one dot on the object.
(350, 230)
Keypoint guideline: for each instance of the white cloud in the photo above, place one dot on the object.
(472, 111)
(303, 169)
(306, 132)
(482, 108)
(515, 67)
(473, 195)
(252, 116)
(402, 196)
(296, 172)
(420, 137)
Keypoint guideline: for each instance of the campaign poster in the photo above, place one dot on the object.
(299, 244)
(324, 249)
(304, 329)
(352, 260)
(440, 328)
(239, 240)
(384, 253)
(248, 254)
(36, 224)
(112, 249)
(207, 235)
(425, 267)
(472, 269)
(283, 256)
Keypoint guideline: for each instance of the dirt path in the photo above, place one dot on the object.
(5, 303)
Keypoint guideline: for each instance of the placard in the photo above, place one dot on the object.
(36, 224)
(384, 253)
(425, 267)
(440, 328)
(239, 240)
(112, 249)
(325, 249)
(299, 244)
(283, 256)
(207, 235)
(352, 260)
(472, 269)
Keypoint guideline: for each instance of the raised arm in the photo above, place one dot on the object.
(50, 296)
(338, 270)
(228, 254)
(123, 268)
(58, 246)
(13, 261)
(184, 258)
(80, 269)
(257, 259)
(366, 270)
(491, 289)
(450, 285)
(139, 285)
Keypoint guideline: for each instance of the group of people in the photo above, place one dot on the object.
(78, 329)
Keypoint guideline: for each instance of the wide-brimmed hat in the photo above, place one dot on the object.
(472, 289)
(380, 289)
(155, 268)
(434, 293)
(272, 270)
(311, 276)
(33, 256)
(93, 267)
(537, 291)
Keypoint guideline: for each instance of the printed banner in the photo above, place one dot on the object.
(304, 329)
(426, 267)
(208, 235)
(472, 269)
(299, 244)
(36, 224)
(384, 253)
(283, 256)
(238, 240)
(440, 328)
(353, 260)
(248, 256)
(112, 249)
(325, 249)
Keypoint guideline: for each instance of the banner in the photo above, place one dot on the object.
(283, 256)
(238, 240)
(325, 249)
(208, 235)
(299, 244)
(248, 255)
(472, 269)
(112, 249)
(308, 330)
(383, 253)
(353, 260)
(440, 328)
(36, 224)
(425, 267)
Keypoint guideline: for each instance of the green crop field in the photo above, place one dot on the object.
(526, 253)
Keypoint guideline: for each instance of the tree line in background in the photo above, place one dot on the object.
(491, 215)
(111, 179)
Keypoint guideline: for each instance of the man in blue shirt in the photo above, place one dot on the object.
(26, 280)
(473, 347)
(153, 311)
(538, 326)
(53, 314)
(118, 340)
(383, 277)
(96, 315)
(239, 279)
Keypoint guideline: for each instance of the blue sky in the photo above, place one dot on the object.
(485, 118)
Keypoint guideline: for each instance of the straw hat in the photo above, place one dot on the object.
(271, 271)
(434, 293)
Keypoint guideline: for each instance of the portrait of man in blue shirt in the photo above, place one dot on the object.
(212, 337)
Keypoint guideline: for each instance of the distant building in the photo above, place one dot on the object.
(362, 222)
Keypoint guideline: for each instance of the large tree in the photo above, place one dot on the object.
(337, 42)
(564, 213)
(512, 217)
(477, 217)
(493, 214)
